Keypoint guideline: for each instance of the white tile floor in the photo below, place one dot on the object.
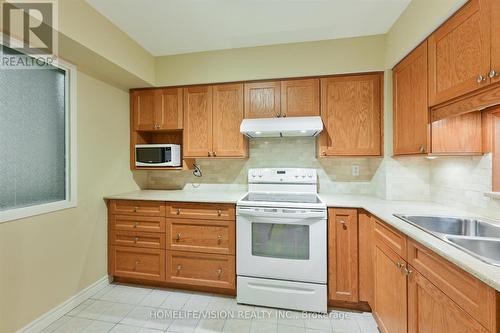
(132, 309)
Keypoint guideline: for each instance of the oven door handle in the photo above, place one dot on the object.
(285, 213)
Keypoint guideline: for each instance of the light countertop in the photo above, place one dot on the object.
(383, 209)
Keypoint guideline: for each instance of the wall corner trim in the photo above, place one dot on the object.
(58, 311)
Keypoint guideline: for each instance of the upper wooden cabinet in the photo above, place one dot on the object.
(143, 108)
(212, 118)
(459, 53)
(197, 121)
(410, 104)
(351, 109)
(168, 109)
(343, 273)
(262, 99)
(157, 109)
(227, 117)
(300, 98)
(458, 135)
(495, 42)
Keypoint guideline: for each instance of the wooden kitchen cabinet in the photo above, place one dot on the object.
(366, 257)
(390, 296)
(262, 99)
(459, 135)
(143, 110)
(495, 42)
(197, 121)
(300, 98)
(139, 263)
(343, 274)
(351, 109)
(227, 116)
(430, 310)
(410, 104)
(459, 53)
(157, 109)
(168, 109)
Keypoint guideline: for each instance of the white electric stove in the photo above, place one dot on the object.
(281, 241)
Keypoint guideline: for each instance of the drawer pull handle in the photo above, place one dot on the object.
(219, 272)
(178, 237)
(136, 239)
(219, 238)
(136, 209)
(135, 264)
(178, 211)
(179, 267)
(407, 271)
(136, 224)
(399, 265)
(219, 212)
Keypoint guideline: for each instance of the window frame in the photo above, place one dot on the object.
(70, 128)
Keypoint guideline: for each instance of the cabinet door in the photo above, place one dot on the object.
(351, 109)
(343, 255)
(227, 116)
(366, 256)
(262, 99)
(300, 98)
(197, 121)
(168, 115)
(459, 53)
(390, 292)
(495, 42)
(144, 110)
(430, 310)
(411, 113)
(458, 135)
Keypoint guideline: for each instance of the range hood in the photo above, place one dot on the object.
(281, 127)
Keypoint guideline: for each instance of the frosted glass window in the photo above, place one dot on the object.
(32, 137)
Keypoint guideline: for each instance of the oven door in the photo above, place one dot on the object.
(282, 243)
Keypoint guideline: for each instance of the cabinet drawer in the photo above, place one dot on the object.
(137, 223)
(201, 211)
(152, 240)
(137, 207)
(468, 292)
(201, 235)
(388, 237)
(201, 269)
(146, 264)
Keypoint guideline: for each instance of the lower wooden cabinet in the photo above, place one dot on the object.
(138, 263)
(389, 308)
(430, 310)
(343, 274)
(201, 269)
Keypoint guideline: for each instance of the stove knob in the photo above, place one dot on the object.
(310, 176)
(303, 176)
(260, 176)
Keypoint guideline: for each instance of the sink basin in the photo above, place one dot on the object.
(479, 238)
(457, 226)
(486, 249)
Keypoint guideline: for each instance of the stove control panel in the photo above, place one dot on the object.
(283, 175)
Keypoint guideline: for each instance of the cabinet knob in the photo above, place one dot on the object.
(136, 224)
(136, 239)
(214, 154)
(136, 209)
(178, 237)
(407, 271)
(480, 79)
(323, 153)
(219, 272)
(219, 212)
(344, 225)
(219, 238)
(136, 264)
(422, 149)
(179, 267)
(209, 154)
(178, 211)
(493, 74)
(399, 265)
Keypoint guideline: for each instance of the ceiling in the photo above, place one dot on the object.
(166, 27)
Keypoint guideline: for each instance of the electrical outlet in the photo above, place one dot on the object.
(355, 170)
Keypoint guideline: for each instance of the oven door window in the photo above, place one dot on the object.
(284, 241)
(153, 155)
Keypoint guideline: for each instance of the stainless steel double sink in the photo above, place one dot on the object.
(478, 237)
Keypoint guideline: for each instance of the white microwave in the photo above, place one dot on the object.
(158, 155)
